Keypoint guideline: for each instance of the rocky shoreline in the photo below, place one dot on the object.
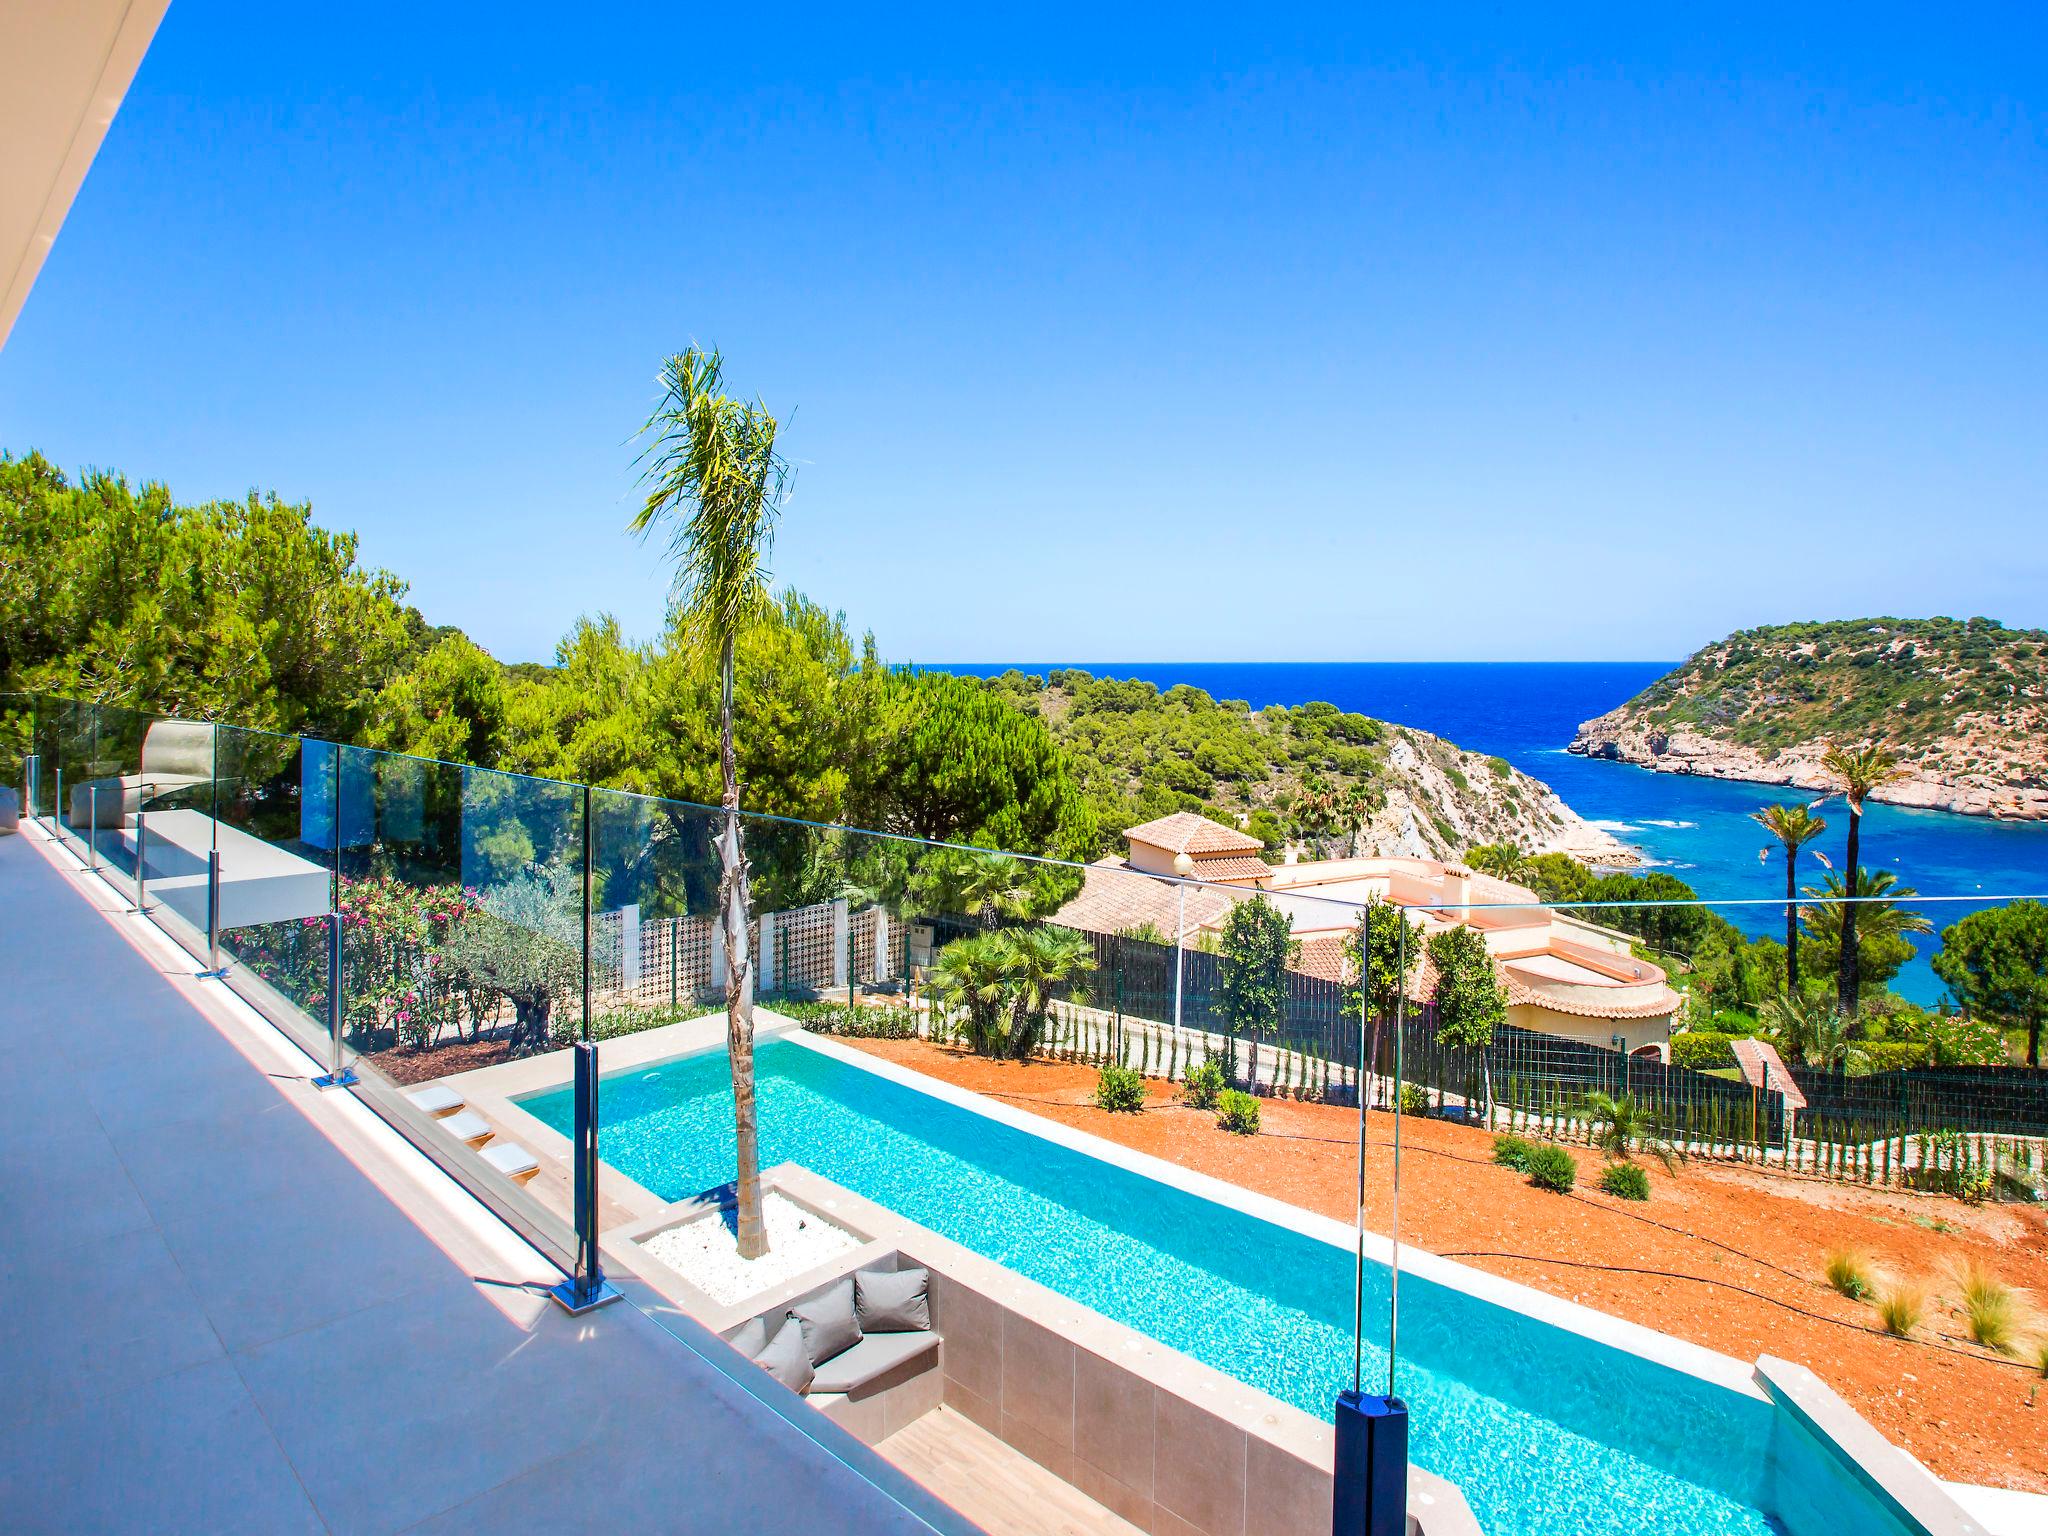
(1615, 738)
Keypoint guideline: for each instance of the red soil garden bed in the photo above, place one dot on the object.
(1722, 1255)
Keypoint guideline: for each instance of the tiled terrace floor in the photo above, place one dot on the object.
(229, 1303)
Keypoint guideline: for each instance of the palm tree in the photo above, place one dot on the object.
(1811, 1030)
(975, 976)
(1620, 1124)
(714, 477)
(990, 885)
(1040, 959)
(1874, 914)
(1859, 770)
(1504, 861)
(1794, 826)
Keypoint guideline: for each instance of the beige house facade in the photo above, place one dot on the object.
(1563, 975)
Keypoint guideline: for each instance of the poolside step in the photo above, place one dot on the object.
(467, 1125)
(437, 1099)
(512, 1160)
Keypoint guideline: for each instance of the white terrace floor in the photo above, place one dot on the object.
(229, 1303)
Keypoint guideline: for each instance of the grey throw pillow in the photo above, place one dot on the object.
(783, 1358)
(751, 1337)
(830, 1327)
(892, 1301)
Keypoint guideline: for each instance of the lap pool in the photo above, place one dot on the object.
(1547, 1432)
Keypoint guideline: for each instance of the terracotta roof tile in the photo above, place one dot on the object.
(1115, 900)
(1231, 867)
(1185, 832)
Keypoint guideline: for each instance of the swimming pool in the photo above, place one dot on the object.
(1548, 1433)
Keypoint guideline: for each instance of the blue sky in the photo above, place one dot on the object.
(1260, 335)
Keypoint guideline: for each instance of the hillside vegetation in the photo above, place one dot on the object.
(1963, 703)
(1324, 780)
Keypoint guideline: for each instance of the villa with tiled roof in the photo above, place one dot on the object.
(1563, 975)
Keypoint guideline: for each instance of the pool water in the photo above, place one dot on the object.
(1546, 1432)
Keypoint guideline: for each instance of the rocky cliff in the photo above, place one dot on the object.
(1963, 705)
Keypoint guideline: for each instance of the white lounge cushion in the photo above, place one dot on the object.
(436, 1099)
(510, 1159)
(874, 1355)
(467, 1125)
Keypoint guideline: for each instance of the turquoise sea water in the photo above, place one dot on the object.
(1549, 1434)
(1699, 829)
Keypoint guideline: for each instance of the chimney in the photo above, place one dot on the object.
(1459, 882)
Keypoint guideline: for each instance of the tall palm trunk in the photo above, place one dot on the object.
(739, 1005)
(1847, 974)
(1791, 918)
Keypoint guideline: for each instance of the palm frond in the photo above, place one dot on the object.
(714, 478)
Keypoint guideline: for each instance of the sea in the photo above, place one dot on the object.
(1698, 829)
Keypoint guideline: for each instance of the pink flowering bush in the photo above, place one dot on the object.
(396, 981)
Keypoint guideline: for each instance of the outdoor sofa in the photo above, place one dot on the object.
(176, 754)
(855, 1335)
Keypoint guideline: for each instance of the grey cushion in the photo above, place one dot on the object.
(873, 1356)
(892, 1301)
(829, 1324)
(783, 1358)
(751, 1337)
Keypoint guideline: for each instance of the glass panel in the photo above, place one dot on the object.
(458, 892)
(274, 835)
(17, 743)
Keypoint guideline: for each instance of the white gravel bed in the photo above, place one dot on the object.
(706, 1253)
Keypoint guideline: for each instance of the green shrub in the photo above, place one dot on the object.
(883, 1022)
(1894, 1055)
(1701, 1049)
(1512, 1152)
(1204, 1085)
(1414, 1099)
(630, 1020)
(1237, 1112)
(1120, 1090)
(1552, 1168)
(1499, 767)
(1625, 1181)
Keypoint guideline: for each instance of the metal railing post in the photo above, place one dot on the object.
(338, 1075)
(141, 850)
(31, 770)
(92, 827)
(214, 971)
(57, 808)
(587, 1289)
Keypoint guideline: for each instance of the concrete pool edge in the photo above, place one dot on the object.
(1913, 1493)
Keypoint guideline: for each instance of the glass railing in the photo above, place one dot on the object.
(1273, 1123)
